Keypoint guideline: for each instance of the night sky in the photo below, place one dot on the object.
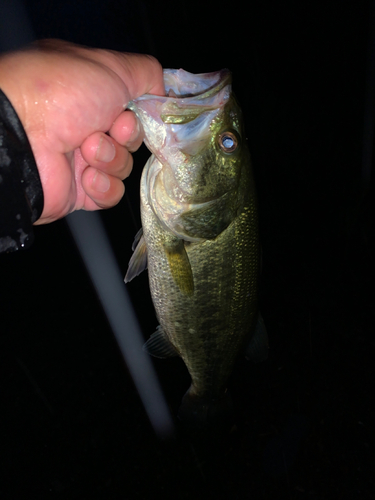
(71, 423)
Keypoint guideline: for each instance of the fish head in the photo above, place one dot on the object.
(195, 131)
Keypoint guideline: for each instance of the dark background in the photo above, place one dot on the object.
(71, 422)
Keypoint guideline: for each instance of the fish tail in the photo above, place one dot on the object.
(203, 412)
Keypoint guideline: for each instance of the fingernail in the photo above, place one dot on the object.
(101, 182)
(106, 150)
(135, 133)
(137, 128)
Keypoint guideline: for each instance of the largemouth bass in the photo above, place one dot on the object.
(199, 236)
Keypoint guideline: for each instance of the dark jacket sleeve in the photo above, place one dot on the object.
(21, 194)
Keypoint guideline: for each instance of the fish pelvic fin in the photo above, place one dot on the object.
(159, 346)
(138, 261)
(179, 265)
(258, 348)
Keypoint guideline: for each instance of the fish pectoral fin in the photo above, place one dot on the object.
(159, 346)
(138, 261)
(257, 350)
(179, 265)
(137, 238)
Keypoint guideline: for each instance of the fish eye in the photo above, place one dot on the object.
(228, 142)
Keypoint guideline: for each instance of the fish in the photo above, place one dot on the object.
(199, 238)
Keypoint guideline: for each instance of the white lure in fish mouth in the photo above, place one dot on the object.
(185, 84)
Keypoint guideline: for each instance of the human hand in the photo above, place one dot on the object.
(67, 96)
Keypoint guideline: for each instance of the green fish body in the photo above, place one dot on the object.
(200, 234)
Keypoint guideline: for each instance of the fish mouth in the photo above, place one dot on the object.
(178, 128)
(172, 123)
(187, 96)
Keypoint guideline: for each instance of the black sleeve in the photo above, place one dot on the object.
(21, 194)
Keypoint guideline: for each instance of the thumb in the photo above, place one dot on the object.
(141, 73)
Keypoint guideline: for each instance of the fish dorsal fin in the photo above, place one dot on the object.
(179, 265)
(138, 261)
(257, 350)
(159, 345)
